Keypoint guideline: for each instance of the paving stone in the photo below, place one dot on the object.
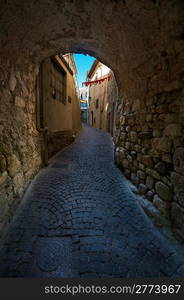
(85, 222)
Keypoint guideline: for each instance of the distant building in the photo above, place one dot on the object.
(103, 94)
(84, 104)
(84, 93)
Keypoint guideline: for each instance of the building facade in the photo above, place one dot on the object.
(103, 95)
(84, 103)
(58, 111)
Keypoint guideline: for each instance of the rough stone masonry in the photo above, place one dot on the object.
(143, 43)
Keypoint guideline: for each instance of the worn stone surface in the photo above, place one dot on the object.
(173, 130)
(160, 204)
(162, 144)
(79, 218)
(178, 221)
(141, 174)
(161, 167)
(150, 182)
(163, 191)
(2, 163)
(19, 140)
(147, 161)
(142, 188)
(178, 186)
(14, 165)
(178, 160)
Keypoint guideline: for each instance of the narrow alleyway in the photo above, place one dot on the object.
(80, 219)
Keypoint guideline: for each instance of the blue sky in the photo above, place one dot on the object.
(83, 64)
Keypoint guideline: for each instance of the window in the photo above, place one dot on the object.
(57, 82)
(69, 99)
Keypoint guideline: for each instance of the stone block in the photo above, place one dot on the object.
(3, 177)
(127, 173)
(135, 163)
(127, 145)
(154, 153)
(173, 85)
(2, 163)
(178, 185)
(13, 165)
(173, 130)
(149, 118)
(31, 107)
(20, 102)
(133, 136)
(150, 181)
(166, 157)
(129, 158)
(156, 133)
(133, 168)
(133, 154)
(125, 163)
(131, 119)
(141, 167)
(144, 150)
(163, 191)
(162, 144)
(139, 157)
(147, 161)
(137, 148)
(142, 189)
(161, 167)
(153, 173)
(18, 180)
(149, 195)
(145, 135)
(153, 213)
(122, 120)
(162, 108)
(137, 181)
(178, 45)
(141, 174)
(177, 215)
(122, 152)
(160, 205)
(136, 105)
(127, 129)
(12, 82)
(132, 177)
(178, 142)
(178, 160)
(123, 136)
(167, 180)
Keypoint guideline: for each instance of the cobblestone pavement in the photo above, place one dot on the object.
(79, 218)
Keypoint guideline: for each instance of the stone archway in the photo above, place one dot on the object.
(141, 42)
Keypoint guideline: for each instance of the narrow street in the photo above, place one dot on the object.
(80, 219)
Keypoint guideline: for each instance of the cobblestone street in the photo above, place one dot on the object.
(79, 218)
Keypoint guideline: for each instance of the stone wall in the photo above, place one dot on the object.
(19, 139)
(150, 149)
(112, 99)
